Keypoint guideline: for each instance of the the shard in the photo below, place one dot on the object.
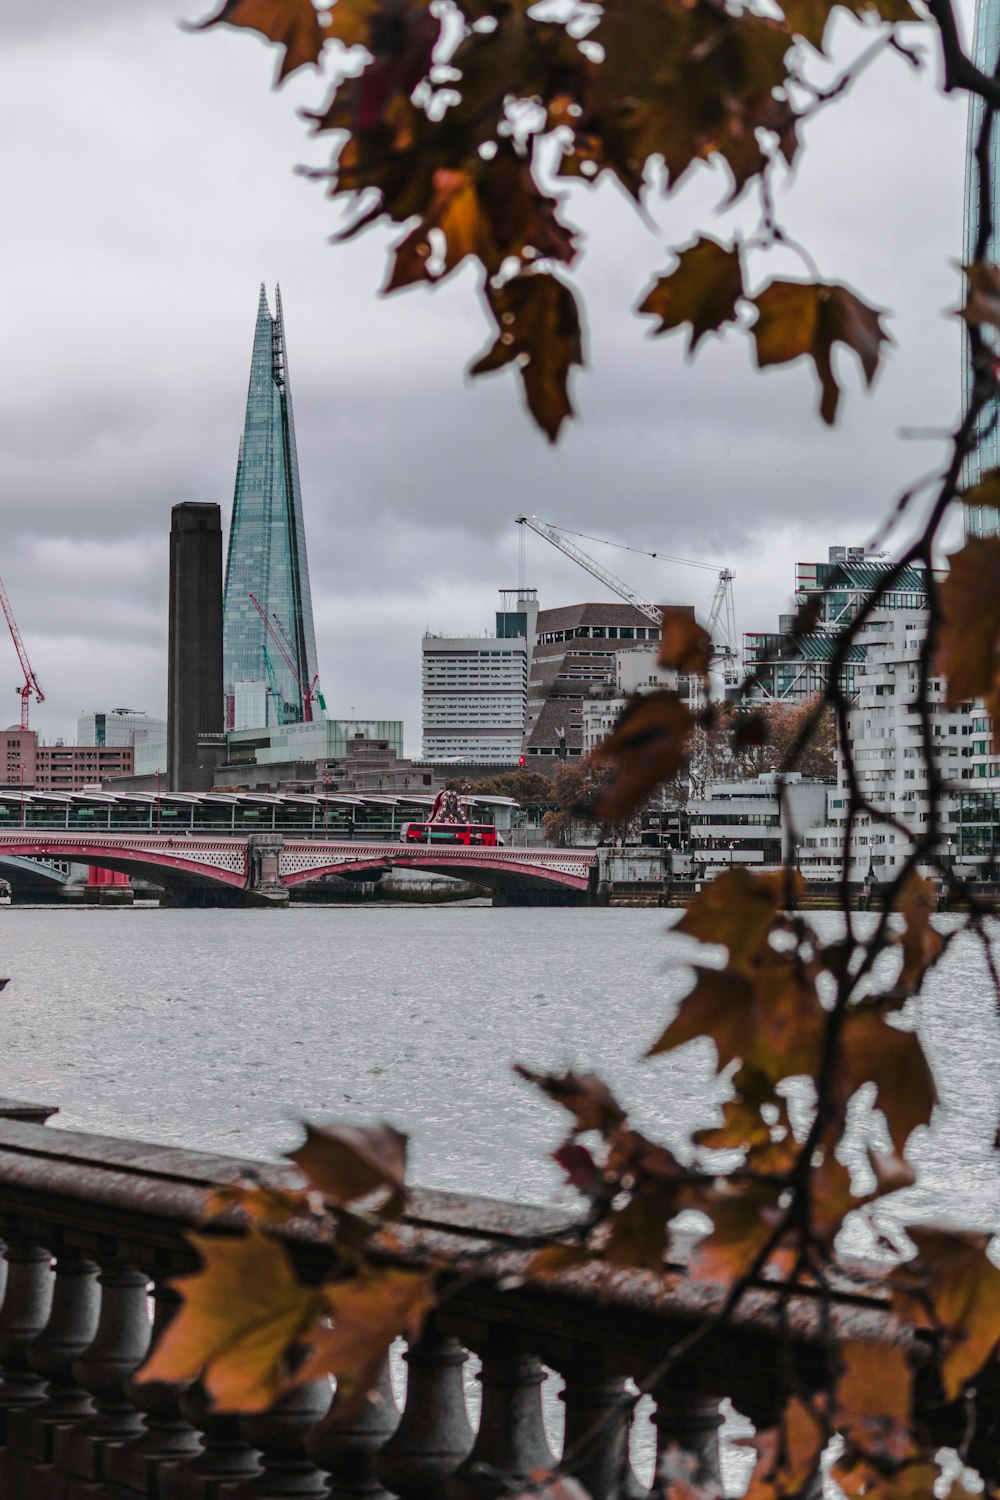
(981, 520)
(269, 647)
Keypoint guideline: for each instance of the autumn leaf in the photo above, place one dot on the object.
(744, 1217)
(873, 1398)
(539, 327)
(986, 492)
(982, 300)
(582, 1172)
(368, 1313)
(454, 212)
(241, 1313)
(685, 646)
(649, 744)
(874, 1051)
(547, 1485)
(921, 943)
(638, 1231)
(807, 318)
(738, 909)
(953, 1273)
(587, 1098)
(968, 654)
(787, 1456)
(293, 24)
(766, 1146)
(347, 1162)
(552, 1260)
(257, 1201)
(490, 213)
(808, 18)
(702, 290)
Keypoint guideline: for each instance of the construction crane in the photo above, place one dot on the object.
(721, 615)
(310, 690)
(279, 707)
(31, 685)
(314, 687)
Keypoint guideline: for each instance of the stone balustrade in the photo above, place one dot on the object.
(93, 1230)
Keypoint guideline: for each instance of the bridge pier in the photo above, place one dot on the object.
(264, 887)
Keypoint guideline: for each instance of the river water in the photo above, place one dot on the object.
(222, 1029)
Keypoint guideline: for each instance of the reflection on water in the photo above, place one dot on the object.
(221, 1029)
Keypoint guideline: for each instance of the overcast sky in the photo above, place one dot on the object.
(148, 186)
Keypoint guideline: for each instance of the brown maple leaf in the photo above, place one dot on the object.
(539, 325)
(806, 318)
(293, 24)
(968, 655)
(702, 290)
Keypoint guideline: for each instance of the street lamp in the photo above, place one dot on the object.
(158, 801)
(798, 858)
(732, 846)
(326, 807)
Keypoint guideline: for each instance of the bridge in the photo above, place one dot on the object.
(267, 866)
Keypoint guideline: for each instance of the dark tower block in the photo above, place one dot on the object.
(194, 656)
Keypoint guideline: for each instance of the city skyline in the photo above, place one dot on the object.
(131, 369)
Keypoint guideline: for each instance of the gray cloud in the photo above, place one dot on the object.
(150, 187)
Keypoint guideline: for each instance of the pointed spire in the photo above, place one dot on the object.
(262, 306)
(277, 302)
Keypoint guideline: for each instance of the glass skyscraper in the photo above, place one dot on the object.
(981, 520)
(268, 667)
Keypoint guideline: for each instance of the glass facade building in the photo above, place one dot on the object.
(981, 521)
(267, 551)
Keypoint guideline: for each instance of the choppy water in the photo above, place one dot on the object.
(221, 1029)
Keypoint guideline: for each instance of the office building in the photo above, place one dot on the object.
(574, 659)
(58, 767)
(981, 520)
(269, 665)
(194, 646)
(750, 823)
(475, 688)
(119, 726)
(790, 670)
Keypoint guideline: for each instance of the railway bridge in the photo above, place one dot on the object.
(262, 868)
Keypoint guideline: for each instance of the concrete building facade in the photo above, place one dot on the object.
(751, 823)
(574, 660)
(58, 768)
(474, 689)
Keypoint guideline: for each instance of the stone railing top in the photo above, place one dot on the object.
(83, 1187)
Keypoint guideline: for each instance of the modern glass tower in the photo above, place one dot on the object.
(980, 520)
(268, 665)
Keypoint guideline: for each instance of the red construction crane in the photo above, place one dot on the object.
(310, 690)
(31, 683)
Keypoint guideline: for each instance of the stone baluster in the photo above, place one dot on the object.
(24, 1314)
(225, 1456)
(104, 1368)
(348, 1451)
(511, 1440)
(288, 1470)
(434, 1436)
(167, 1437)
(596, 1437)
(71, 1327)
(687, 1419)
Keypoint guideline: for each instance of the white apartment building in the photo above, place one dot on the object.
(751, 822)
(115, 727)
(885, 730)
(474, 691)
